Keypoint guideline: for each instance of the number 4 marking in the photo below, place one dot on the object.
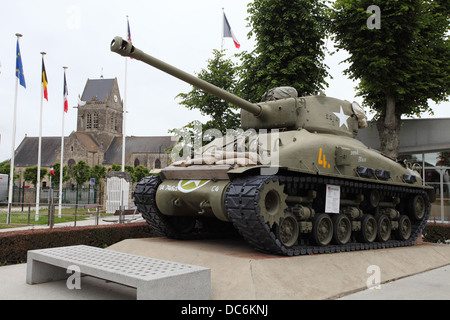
(322, 160)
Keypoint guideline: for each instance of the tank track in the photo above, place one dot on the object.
(207, 228)
(242, 199)
(241, 202)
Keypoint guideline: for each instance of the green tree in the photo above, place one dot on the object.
(30, 174)
(81, 172)
(5, 168)
(290, 47)
(98, 172)
(401, 65)
(222, 73)
(141, 172)
(56, 169)
(116, 167)
(130, 170)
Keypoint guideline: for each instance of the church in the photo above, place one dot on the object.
(98, 138)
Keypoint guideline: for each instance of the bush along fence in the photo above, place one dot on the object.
(437, 233)
(15, 244)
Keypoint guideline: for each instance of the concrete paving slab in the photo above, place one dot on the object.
(239, 272)
(430, 285)
(14, 287)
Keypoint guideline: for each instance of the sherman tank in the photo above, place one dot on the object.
(295, 180)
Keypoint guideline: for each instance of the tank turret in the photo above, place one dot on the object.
(283, 109)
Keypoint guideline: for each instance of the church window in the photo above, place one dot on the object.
(136, 162)
(112, 122)
(95, 120)
(88, 121)
(157, 164)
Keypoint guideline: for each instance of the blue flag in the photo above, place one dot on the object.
(19, 67)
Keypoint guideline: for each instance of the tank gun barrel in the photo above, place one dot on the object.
(126, 49)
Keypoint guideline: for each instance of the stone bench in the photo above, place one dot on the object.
(154, 279)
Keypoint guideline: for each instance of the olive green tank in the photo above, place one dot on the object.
(293, 181)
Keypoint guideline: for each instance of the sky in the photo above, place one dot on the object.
(77, 34)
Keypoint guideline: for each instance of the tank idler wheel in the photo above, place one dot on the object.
(322, 229)
(288, 230)
(384, 228)
(404, 228)
(418, 207)
(342, 229)
(368, 229)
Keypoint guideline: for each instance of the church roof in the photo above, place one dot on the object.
(136, 145)
(27, 152)
(88, 141)
(98, 88)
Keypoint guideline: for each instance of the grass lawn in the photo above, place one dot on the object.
(19, 218)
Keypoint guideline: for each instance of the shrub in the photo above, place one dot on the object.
(14, 245)
(434, 232)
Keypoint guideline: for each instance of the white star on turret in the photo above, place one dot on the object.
(342, 118)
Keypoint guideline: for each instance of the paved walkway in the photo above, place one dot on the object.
(429, 285)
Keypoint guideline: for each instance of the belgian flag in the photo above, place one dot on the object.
(44, 80)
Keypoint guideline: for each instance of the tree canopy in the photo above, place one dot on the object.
(290, 47)
(402, 64)
(290, 42)
(30, 174)
(81, 172)
(222, 73)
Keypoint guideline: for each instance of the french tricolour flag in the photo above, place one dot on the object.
(66, 93)
(228, 33)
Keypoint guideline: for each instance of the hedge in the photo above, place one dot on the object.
(14, 245)
(435, 232)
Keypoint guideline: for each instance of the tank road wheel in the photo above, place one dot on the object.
(383, 228)
(368, 228)
(287, 231)
(272, 202)
(342, 229)
(418, 208)
(404, 228)
(322, 229)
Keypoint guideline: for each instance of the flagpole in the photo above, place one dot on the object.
(38, 184)
(13, 147)
(124, 118)
(223, 23)
(61, 164)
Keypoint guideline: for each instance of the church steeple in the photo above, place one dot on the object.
(101, 112)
